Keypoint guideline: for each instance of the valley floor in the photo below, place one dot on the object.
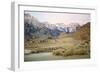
(50, 56)
(61, 49)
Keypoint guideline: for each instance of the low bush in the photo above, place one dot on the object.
(80, 49)
(58, 52)
(68, 52)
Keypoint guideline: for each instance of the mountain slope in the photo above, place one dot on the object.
(83, 33)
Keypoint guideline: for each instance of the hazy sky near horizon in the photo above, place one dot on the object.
(65, 18)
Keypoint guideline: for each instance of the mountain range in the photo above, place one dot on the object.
(33, 28)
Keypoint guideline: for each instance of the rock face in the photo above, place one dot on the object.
(35, 29)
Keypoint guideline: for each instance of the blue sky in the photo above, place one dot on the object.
(65, 18)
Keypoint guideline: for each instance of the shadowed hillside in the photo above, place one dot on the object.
(83, 33)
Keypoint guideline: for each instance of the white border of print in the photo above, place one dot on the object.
(17, 57)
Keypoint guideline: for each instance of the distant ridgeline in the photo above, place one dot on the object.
(34, 29)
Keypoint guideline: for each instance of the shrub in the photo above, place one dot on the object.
(80, 49)
(49, 37)
(63, 52)
(58, 52)
(68, 52)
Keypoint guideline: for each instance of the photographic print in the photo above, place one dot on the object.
(52, 36)
(56, 36)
